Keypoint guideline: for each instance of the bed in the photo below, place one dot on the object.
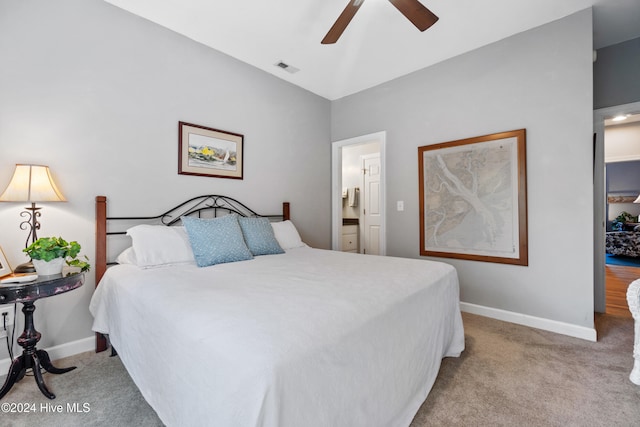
(305, 337)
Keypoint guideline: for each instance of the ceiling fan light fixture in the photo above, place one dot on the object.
(413, 10)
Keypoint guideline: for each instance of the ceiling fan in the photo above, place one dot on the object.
(413, 10)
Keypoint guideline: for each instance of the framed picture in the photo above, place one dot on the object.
(4, 265)
(622, 197)
(473, 198)
(206, 151)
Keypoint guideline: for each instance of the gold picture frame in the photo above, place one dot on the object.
(205, 151)
(473, 198)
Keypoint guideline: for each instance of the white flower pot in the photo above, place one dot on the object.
(48, 268)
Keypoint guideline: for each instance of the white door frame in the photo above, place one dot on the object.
(336, 186)
(599, 289)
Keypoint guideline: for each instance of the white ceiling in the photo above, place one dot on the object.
(379, 44)
(631, 118)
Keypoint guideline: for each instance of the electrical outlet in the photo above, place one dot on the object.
(6, 319)
(6, 311)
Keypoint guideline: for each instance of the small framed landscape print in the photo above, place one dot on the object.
(473, 198)
(4, 265)
(206, 151)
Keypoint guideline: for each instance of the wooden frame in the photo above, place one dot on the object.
(5, 268)
(473, 198)
(621, 198)
(205, 151)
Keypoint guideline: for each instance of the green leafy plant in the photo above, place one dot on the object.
(624, 217)
(48, 248)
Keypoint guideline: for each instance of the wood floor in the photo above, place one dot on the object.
(618, 278)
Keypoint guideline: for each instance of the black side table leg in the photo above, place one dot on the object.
(31, 357)
(38, 376)
(16, 372)
(45, 361)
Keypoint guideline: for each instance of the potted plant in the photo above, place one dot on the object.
(624, 217)
(50, 253)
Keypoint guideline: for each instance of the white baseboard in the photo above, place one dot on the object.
(56, 352)
(569, 329)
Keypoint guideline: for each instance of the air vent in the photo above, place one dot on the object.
(288, 68)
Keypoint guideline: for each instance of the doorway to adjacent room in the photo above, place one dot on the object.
(614, 193)
(358, 194)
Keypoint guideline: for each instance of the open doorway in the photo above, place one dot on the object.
(613, 195)
(358, 194)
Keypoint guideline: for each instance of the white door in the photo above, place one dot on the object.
(371, 213)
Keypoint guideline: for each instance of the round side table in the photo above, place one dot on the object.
(31, 357)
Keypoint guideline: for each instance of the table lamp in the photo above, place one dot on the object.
(31, 183)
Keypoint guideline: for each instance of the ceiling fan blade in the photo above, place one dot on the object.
(341, 23)
(415, 12)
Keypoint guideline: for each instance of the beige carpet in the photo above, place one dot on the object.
(509, 375)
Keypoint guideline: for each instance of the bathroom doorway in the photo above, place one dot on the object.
(358, 194)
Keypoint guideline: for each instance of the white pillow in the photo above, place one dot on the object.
(160, 245)
(287, 235)
(128, 256)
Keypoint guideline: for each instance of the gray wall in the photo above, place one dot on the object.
(540, 80)
(96, 93)
(623, 177)
(615, 74)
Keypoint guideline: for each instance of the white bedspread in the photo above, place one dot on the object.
(307, 338)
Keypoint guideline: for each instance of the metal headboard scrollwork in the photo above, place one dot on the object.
(196, 207)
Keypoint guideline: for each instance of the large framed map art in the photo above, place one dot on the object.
(473, 198)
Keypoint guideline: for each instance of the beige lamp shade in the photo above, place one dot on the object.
(32, 183)
(637, 200)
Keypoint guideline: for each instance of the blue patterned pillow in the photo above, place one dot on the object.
(259, 237)
(217, 240)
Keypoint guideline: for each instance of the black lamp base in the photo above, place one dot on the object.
(27, 267)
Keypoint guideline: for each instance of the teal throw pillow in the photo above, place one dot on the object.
(259, 237)
(216, 240)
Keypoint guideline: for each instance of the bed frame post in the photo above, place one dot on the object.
(286, 214)
(101, 255)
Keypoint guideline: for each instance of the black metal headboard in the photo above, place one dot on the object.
(209, 206)
(199, 206)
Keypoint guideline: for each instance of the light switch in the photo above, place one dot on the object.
(400, 205)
